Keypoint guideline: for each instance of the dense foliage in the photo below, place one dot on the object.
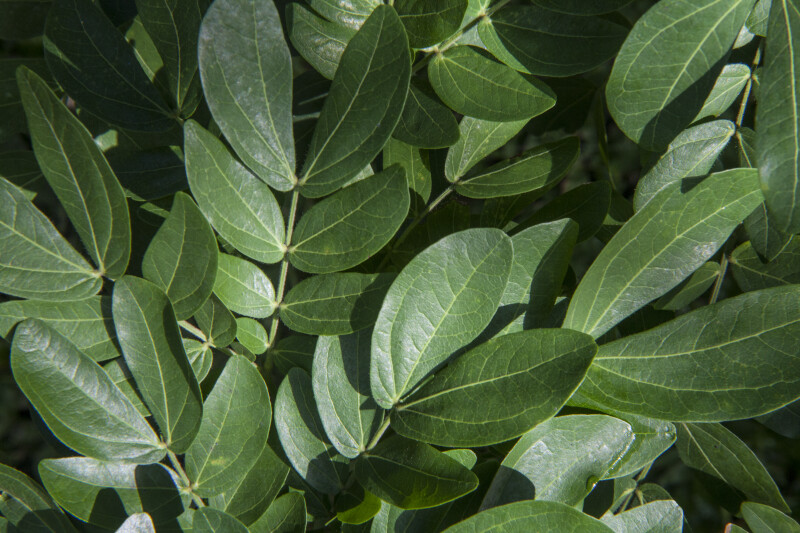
(416, 265)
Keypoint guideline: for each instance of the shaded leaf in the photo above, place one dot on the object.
(208, 520)
(586, 204)
(690, 289)
(233, 431)
(303, 437)
(79, 174)
(426, 122)
(34, 507)
(473, 84)
(182, 257)
(413, 475)
(726, 89)
(287, 514)
(751, 273)
(668, 65)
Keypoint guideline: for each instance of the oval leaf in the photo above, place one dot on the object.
(332, 304)
(722, 362)
(363, 106)
(233, 432)
(668, 64)
(530, 516)
(182, 257)
(497, 391)
(473, 84)
(247, 80)
(303, 437)
(413, 475)
(456, 285)
(661, 245)
(478, 138)
(79, 174)
(340, 378)
(56, 377)
(557, 460)
(346, 229)
(544, 42)
(426, 122)
(751, 273)
(778, 117)
(243, 287)
(537, 169)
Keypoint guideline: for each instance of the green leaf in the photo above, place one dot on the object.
(240, 207)
(208, 520)
(713, 449)
(200, 357)
(767, 240)
(560, 460)
(150, 174)
(759, 17)
(363, 106)
(233, 432)
(497, 391)
(319, 41)
(356, 506)
(722, 362)
(244, 288)
(182, 257)
(751, 273)
(348, 13)
(36, 509)
(586, 204)
(56, 378)
(541, 258)
(12, 115)
(575, 98)
(668, 65)
(530, 516)
(122, 378)
(651, 439)
(413, 475)
(473, 84)
(346, 229)
(137, 523)
(23, 19)
(478, 138)
(416, 163)
(661, 245)
(303, 437)
(255, 490)
(217, 322)
(151, 343)
(537, 169)
(247, 79)
(333, 304)
(778, 117)
(690, 155)
(79, 174)
(340, 379)
(690, 289)
(429, 22)
(726, 89)
(426, 122)
(456, 285)
(294, 351)
(91, 60)
(252, 335)
(287, 514)
(104, 493)
(580, 7)
(539, 41)
(174, 25)
(784, 421)
(764, 519)
(655, 517)
(85, 323)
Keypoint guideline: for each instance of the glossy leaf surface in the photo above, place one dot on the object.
(244, 288)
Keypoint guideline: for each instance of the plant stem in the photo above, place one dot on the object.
(723, 268)
(381, 430)
(747, 88)
(173, 459)
(193, 330)
(273, 330)
(414, 223)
